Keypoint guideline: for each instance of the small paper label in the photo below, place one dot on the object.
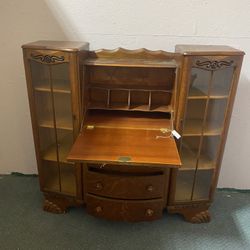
(176, 134)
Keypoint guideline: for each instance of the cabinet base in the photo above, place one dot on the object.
(58, 204)
(194, 213)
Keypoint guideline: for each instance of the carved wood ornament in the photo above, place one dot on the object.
(48, 58)
(213, 65)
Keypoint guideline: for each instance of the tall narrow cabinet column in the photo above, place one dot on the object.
(207, 90)
(53, 82)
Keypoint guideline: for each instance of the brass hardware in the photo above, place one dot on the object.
(149, 212)
(98, 209)
(99, 186)
(165, 130)
(124, 158)
(90, 127)
(150, 188)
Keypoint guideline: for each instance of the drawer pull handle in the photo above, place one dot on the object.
(99, 186)
(149, 212)
(98, 209)
(150, 188)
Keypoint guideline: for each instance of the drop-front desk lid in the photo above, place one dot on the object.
(125, 146)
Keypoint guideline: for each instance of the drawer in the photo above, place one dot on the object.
(124, 210)
(147, 170)
(125, 186)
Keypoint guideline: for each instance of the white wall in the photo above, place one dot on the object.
(154, 24)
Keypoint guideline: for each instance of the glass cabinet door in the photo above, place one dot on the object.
(202, 127)
(52, 96)
(64, 125)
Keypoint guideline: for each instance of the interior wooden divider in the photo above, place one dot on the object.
(139, 99)
(130, 99)
(119, 99)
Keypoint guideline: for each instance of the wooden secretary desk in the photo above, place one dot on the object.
(104, 124)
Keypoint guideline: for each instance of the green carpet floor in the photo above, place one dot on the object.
(24, 225)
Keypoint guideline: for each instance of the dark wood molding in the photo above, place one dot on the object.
(213, 64)
(47, 58)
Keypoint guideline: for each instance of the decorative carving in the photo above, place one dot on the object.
(202, 217)
(57, 204)
(134, 54)
(194, 213)
(50, 206)
(48, 58)
(213, 65)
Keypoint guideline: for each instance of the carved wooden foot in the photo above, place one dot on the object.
(198, 217)
(52, 207)
(195, 213)
(57, 204)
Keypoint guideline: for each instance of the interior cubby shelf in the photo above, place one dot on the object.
(130, 99)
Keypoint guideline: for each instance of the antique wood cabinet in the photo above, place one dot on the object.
(103, 125)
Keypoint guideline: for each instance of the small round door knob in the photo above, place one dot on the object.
(149, 212)
(98, 209)
(99, 186)
(150, 188)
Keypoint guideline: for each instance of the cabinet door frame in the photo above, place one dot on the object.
(54, 57)
(208, 63)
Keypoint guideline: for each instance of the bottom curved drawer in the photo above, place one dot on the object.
(124, 210)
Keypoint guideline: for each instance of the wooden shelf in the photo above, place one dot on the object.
(161, 108)
(119, 106)
(68, 182)
(189, 160)
(194, 128)
(64, 147)
(205, 163)
(59, 86)
(138, 107)
(131, 63)
(131, 99)
(195, 93)
(61, 123)
(218, 93)
(126, 119)
(135, 87)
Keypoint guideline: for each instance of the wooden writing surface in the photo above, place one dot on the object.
(125, 146)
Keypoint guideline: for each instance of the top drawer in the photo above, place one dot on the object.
(125, 186)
